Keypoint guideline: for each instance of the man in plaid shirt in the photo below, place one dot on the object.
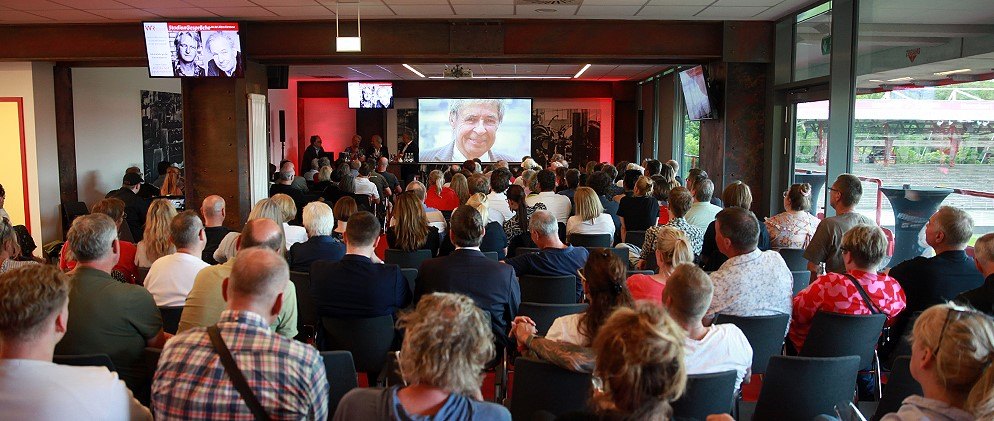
(287, 377)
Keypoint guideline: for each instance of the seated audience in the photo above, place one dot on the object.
(735, 194)
(751, 282)
(951, 354)
(323, 180)
(264, 208)
(364, 185)
(411, 230)
(320, 245)
(500, 211)
(9, 248)
(590, 217)
(356, 286)
(558, 204)
(982, 297)
(628, 180)
(863, 248)
(435, 217)
(155, 242)
(460, 185)
(438, 196)
(286, 166)
(673, 164)
(3, 212)
(707, 349)
(494, 239)
(518, 224)
(205, 303)
(171, 277)
(135, 207)
(679, 204)
(794, 227)
(572, 179)
(125, 270)
(672, 250)
(843, 196)
(335, 188)
(312, 172)
(554, 258)
(493, 285)
(290, 383)
(113, 318)
(213, 211)
(344, 209)
(173, 184)
(694, 175)
(446, 346)
(661, 192)
(34, 313)
(392, 184)
(639, 211)
(284, 186)
(294, 232)
(702, 212)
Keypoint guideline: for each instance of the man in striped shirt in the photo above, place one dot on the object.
(287, 377)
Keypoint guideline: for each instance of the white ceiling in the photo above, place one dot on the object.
(596, 72)
(96, 11)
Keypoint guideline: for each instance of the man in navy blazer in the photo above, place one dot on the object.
(319, 222)
(491, 285)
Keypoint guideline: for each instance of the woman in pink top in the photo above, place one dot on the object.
(672, 249)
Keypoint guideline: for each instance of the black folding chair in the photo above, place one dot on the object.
(562, 231)
(794, 258)
(492, 255)
(800, 388)
(525, 250)
(802, 279)
(706, 394)
(900, 385)
(170, 318)
(368, 340)
(410, 275)
(635, 237)
(341, 374)
(543, 314)
(94, 360)
(307, 309)
(590, 240)
(548, 289)
(406, 259)
(836, 335)
(540, 386)
(765, 335)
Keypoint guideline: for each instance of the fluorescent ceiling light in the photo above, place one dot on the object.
(503, 77)
(411, 68)
(584, 69)
(875, 80)
(900, 79)
(949, 72)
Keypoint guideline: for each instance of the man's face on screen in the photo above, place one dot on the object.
(224, 54)
(187, 48)
(475, 129)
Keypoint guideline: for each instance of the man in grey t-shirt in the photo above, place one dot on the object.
(824, 246)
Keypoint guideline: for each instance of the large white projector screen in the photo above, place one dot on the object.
(457, 129)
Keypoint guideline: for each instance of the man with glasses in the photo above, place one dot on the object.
(843, 196)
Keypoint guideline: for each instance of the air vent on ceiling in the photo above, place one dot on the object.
(550, 2)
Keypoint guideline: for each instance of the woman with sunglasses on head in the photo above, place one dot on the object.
(952, 354)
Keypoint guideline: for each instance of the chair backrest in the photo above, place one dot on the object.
(590, 240)
(170, 318)
(406, 259)
(794, 258)
(525, 250)
(802, 278)
(142, 274)
(635, 237)
(492, 255)
(97, 360)
(368, 340)
(706, 394)
(543, 314)
(548, 289)
(765, 335)
(562, 231)
(341, 374)
(899, 385)
(799, 388)
(837, 335)
(73, 210)
(410, 275)
(540, 386)
(307, 310)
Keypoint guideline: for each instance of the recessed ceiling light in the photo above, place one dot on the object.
(875, 80)
(900, 79)
(584, 69)
(409, 67)
(546, 10)
(949, 72)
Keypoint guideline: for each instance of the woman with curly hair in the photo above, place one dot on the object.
(155, 242)
(173, 184)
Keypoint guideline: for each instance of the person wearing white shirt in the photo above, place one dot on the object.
(707, 349)
(702, 212)
(363, 185)
(31, 386)
(558, 204)
(170, 278)
(590, 217)
(294, 234)
(500, 210)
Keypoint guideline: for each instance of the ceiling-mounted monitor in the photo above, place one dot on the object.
(370, 95)
(695, 94)
(193, 49)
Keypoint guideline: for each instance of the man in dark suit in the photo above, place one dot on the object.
(320, 245)
(313, 152)
(355, 287)
(407, 150)
(491, 285)
(135, 207)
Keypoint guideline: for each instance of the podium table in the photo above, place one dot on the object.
(913, 206)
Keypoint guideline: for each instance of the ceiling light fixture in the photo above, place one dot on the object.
(901, 79)
(411, 68)
(505, 77)
(348, 44)
(949, 72)
(546, 10)
(584, 69)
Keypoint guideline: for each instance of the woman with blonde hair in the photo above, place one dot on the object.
(438, 196)
(639, 211)
(411, 230)
(447, 342)
(173, 184)
(494, 238)
(794, 227)
(265, 208)
(460, 185)
(155, 242)
(590, 217)
(288, 211)
(952, 351)
(672, 249)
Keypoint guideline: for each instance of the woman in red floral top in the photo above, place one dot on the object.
(863, 249)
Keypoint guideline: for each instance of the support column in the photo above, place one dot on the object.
(65, 134)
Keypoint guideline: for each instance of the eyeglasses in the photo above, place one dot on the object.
(957, 310)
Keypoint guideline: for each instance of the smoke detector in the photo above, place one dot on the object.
(457, 72)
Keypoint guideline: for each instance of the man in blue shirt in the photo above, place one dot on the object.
(554, 258)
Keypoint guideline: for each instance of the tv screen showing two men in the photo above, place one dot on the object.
(193, 49)
(458, 129)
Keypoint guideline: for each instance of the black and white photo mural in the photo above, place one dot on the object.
(574, 133)
(162, 130)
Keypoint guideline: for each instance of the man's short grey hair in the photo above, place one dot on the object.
(956, 224)
(219, 35)
(703, 190)
(417, 188)
(90, 237)
(286, 175)
(544, 223)
(456, 105)
(184, 230)
(258, 273)
(318, 219)
(983, 249)
(324, 162)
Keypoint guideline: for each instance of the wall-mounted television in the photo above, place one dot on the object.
(370, 95)
(695, 94)
(193, 49)
(457, 129)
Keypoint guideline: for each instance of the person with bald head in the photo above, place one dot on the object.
(205, 301)
(392, 183)
(213, 211)
(286, 377)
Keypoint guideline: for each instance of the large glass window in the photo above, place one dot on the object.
(691, 144)
(813, 42)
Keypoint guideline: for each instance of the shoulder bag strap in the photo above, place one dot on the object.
(235, 374)
(866, 297)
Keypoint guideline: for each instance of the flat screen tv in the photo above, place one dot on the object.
(370, 95)
(456, 129)
(193, 49)
(695, 94)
